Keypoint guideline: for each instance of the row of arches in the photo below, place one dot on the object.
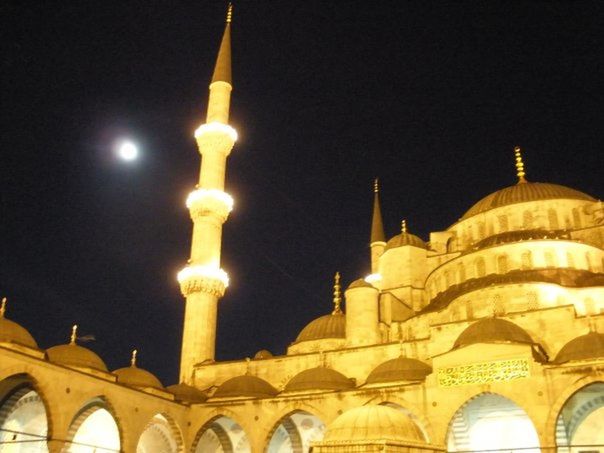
(24, 425)
(487, 421)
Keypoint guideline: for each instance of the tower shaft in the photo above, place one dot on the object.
(202, 281)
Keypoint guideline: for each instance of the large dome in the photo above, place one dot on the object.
(319, 378)
(399, 369)
(524, 192)
(328, 326)
(373, 423)
(492, 330)
(245, 386)
(585, 347)
(73, 355)
(11, 332)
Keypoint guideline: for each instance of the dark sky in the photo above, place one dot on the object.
(430, 96)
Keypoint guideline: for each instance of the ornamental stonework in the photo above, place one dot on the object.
(483, 373)
(209, 207)
(202, 284)
(216, 142)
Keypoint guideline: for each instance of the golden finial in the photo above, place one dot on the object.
(404, 226)
(248, 361)
(519, 165)
(229, 13)
(133, 358)
(337, 295)
(3, 307)
(74, 333)
(376, 185)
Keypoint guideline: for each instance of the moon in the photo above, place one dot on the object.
(127, 151)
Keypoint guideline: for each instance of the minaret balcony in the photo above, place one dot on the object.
(200, 278)
(215, 137)
(209, 202)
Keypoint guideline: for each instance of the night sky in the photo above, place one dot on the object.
(430, 96)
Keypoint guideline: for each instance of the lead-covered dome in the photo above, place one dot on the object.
(11, 332)
(73, 355)
(245, 386)
(492, 330)
(525, 192)
(134, 376)
(373, 423)
(404, 239)
(187, 393)
(328, 326)
(585, 347)
(319, 378)
(399, 369)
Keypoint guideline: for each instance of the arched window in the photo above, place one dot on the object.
(480, 267)
(527, 220)
(577, 218)
(461, 273)
(526, 260)
(481, 230)
(570, 260)
(503, 223)
(502, 264)
(552, 217)
(550, 259)
(589, 262)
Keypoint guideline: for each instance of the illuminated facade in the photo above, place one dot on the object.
(490, 336)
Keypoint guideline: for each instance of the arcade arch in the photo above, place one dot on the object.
(93, 429)
(294, 432)
(579, 423)
(490, 421)
(161, 435)
(23, 417)
(221, 434)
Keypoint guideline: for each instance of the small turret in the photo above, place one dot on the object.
(378, 238)
(362, 311)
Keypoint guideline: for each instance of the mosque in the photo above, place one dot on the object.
(488, 337)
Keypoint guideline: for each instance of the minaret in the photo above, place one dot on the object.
(378, 238)
(202, 281)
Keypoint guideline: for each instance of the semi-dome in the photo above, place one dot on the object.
(134, 376)
(403, 239)
(525, 192)
(399, 369)
(187, 393)
(360, 283)
(73, 355)
(373, 423)
(245, 386)
(319, 378)
(492, 330)
(11, 332)
(328, 326)
(585, 347)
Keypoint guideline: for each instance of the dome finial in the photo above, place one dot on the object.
(248, 361)
(376, 185)
(229, 16)
(74, 333)
(133, 358)
(519, 165)
(3, 307)
(401, 348)
(337, 295)
(404, 226)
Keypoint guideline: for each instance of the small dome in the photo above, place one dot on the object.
(319, 378)
(585, 347)
(360, 283)
(137, 377)
(263, 354)
(328, 326)
(403, 239)
(524, 192)
(373, 423)
(246, 386)
(187, 393)
(399, 369)
(73, 355)
(11, 332)
(492, 330)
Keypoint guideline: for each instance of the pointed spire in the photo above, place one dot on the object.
(133, 358)
(3, 307)
(377, 225)
(404, 226)
(337, 295)
(519, 165)
(222, 70)
(74, 333)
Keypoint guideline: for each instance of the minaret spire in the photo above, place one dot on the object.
(337, 295)
(202, 281)
(519, 165)
(377, 239)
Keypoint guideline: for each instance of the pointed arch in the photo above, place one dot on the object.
(294, 432)
(161, 434)
(221, 434)
(94, 425)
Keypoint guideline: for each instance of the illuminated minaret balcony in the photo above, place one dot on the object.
(209, 202)
(200, 278)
